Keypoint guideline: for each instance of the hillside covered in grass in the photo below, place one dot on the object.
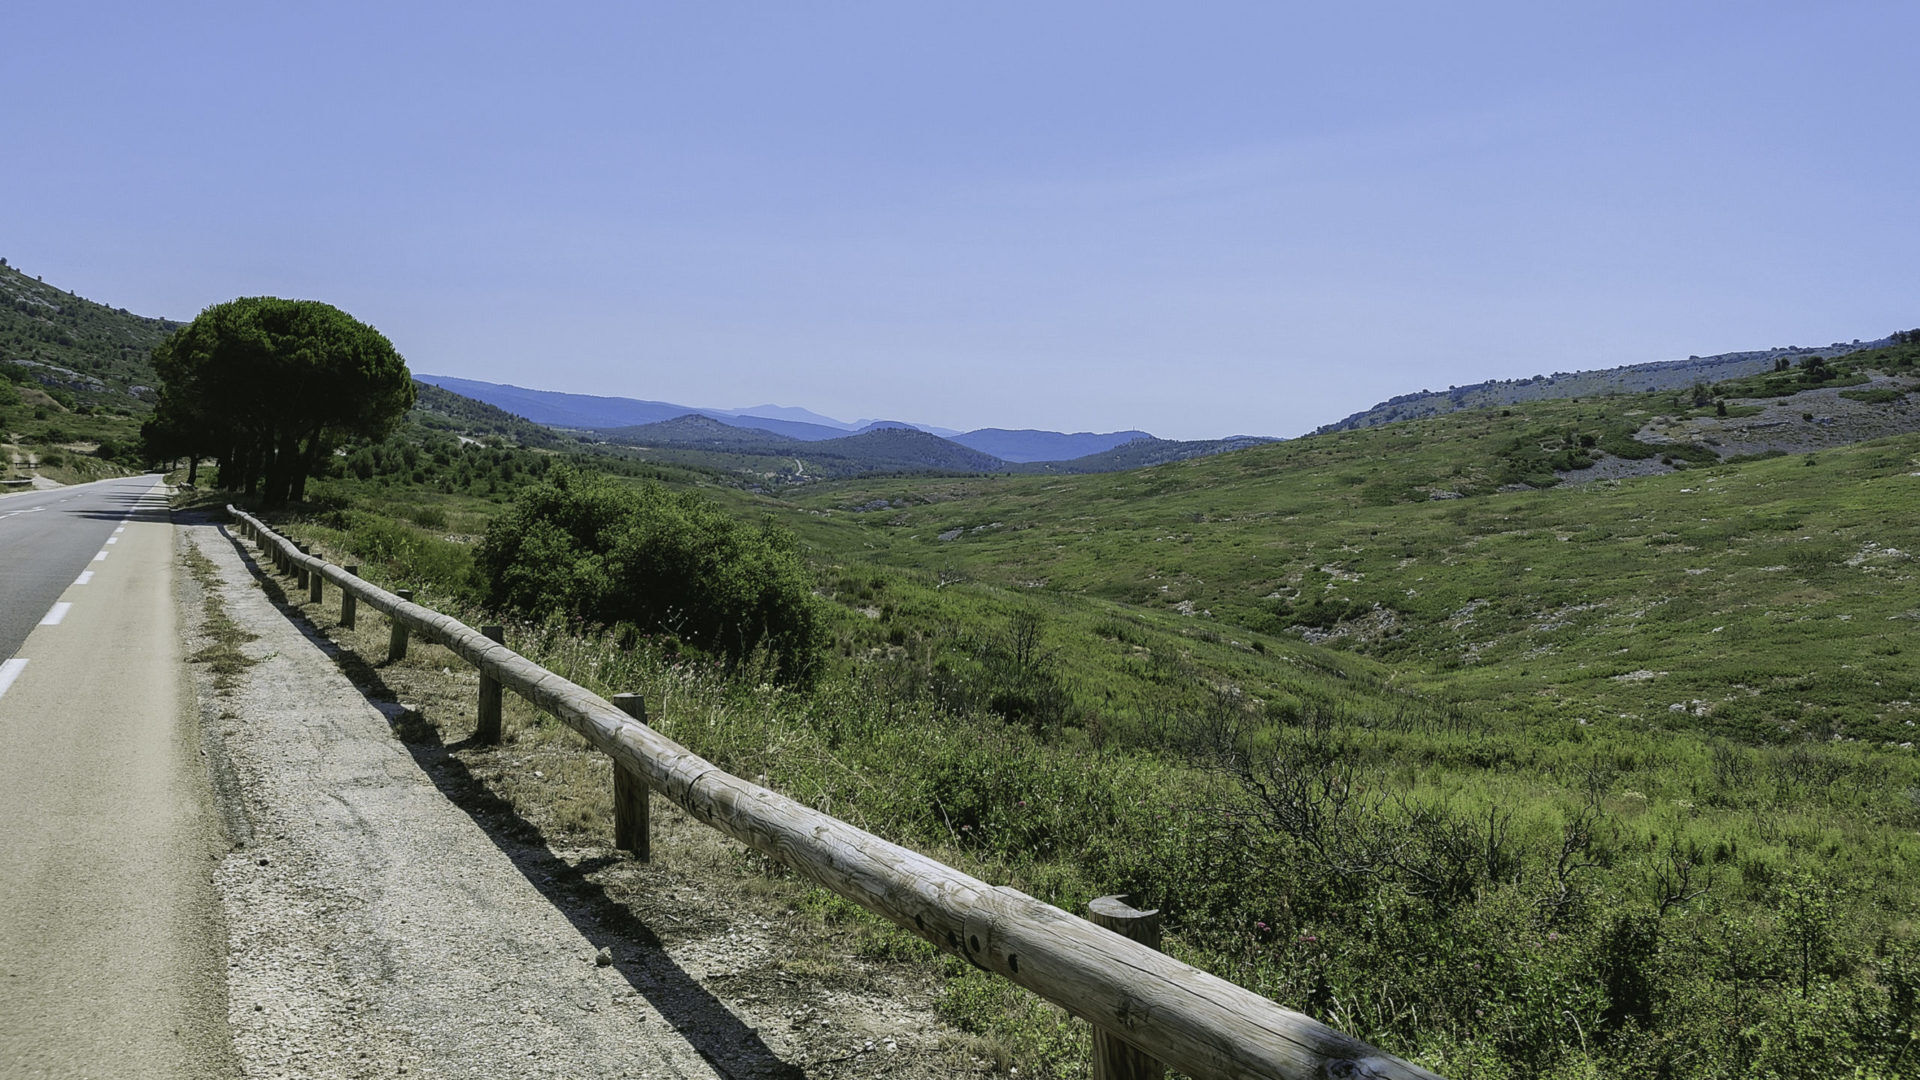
(1631, 378)
(102, 354)
(1729, 589)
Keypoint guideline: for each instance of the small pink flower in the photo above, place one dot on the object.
(1309, 937)
(1258, 925)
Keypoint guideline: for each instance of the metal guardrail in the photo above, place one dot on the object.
(1168, 1011)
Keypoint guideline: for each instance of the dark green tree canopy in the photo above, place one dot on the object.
(271, 386)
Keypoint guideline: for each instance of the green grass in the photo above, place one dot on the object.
(1736, 583)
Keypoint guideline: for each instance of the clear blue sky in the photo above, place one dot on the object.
(1198, 219)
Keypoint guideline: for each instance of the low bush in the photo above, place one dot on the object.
(594, 549)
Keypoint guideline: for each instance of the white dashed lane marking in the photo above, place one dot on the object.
(56, 613)
(10, 671)
(85, 576)
(102, 557)
(113, 539)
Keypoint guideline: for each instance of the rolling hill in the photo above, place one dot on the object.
(697, 432)
(439, 409)
(100, 353)
(1632, 378)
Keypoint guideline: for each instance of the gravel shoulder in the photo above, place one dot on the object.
(395, 904)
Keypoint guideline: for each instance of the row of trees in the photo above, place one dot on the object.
(269, 388)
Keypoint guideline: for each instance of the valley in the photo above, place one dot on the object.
(1597, 722)
(1565, 736)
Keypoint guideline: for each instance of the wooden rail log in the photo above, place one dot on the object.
(1196, 1022)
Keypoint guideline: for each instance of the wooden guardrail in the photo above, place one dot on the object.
(1170, 1012)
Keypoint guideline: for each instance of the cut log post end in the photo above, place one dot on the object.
(1113, 1057)
(632, 813)
(487, 729)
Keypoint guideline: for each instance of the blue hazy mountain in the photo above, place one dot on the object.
(557, 409)
(1027, 444)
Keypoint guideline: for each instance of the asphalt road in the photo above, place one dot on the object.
(112, 952)
(46, 540)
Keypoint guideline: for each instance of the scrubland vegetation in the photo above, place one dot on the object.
(1601, 779)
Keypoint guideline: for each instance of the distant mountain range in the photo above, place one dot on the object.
(1026, 444)
(618, 416)
(785, 442)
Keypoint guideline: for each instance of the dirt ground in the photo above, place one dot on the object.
(403, 900)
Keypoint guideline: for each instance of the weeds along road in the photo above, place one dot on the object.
(112, 960)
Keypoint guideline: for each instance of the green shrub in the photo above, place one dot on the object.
(1879, 395)
(591, 548)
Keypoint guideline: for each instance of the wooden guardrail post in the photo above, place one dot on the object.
(632, 814)
(300, 568)
(315, 579)
(348, 600)
(488, 728)
(397, 638)
(1113, 1057)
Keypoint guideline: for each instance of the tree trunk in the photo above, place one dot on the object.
(309, 461)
